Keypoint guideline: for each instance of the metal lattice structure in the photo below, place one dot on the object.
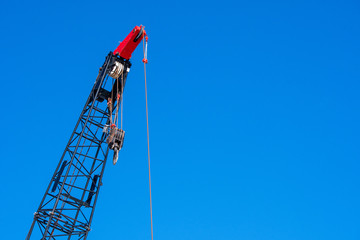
(67, 208)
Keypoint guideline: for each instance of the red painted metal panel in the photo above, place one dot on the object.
(128, 46)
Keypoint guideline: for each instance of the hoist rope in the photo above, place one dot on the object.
(116, 119)
(122, 100)
(147, 128)
(110, 106)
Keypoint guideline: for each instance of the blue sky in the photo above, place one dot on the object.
(253, 110)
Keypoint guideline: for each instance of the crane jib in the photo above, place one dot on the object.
(67, 207)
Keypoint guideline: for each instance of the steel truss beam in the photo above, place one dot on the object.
(67, 207)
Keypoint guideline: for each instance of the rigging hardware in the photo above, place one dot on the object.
(67, 207)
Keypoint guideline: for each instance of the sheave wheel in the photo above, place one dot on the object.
(139, 34)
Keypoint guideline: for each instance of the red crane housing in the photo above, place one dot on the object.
(129, 44)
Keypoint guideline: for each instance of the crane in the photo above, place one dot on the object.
(67, 207)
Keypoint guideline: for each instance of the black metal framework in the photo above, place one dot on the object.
(67, 208)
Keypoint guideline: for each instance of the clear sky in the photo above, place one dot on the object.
(253, 110)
